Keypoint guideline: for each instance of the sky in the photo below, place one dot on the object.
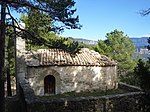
(99, 17)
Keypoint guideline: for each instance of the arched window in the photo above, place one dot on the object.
(49, 84)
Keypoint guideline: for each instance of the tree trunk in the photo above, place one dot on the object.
(2, 55)
(15, 51)
(9, 92)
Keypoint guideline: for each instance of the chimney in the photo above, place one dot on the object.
(20, 57)
(20, 43)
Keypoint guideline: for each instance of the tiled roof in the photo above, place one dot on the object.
(84, 57)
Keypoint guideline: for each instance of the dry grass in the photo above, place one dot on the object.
(87, 93)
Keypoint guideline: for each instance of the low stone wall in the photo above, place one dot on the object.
(132, 102)
(128, 87)
(12, 104)
(129, 102)
(19, 102)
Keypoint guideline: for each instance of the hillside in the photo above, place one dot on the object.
(140, 42)
(86, 41)
(140, 45)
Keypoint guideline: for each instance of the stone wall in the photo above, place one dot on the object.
(28, 102)
(132, 102)
(12, 104)
(72, 78)
(129, 102)
(128, 87)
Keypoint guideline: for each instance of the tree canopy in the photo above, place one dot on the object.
(39, 28)
(142, 71)
(60, 11)
(120, 48)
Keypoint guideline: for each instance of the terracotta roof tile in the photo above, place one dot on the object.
(84, 57)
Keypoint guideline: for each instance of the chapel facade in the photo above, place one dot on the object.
(55, 71)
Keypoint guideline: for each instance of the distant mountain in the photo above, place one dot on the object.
(140, 42)
(86, 41)
(140, 47)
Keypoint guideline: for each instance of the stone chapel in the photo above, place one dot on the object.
(55, 71)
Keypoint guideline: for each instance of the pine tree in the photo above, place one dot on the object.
(60, 11)
(142, 71)
(120, 48)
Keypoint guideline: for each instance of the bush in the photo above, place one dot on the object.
(142, 71)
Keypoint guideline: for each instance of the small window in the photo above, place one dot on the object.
(49, 84)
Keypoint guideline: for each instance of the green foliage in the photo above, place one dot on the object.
(61, 12)
(9, 58)
(102, 47)
(141, 74)
(130, 78)
(39, 27)
(37, 23)
(9, 51)
(65, 44)
(87, 93)
(81, 44)
(120, 48)
(142, 71)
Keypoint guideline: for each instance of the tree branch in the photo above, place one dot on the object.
(145, 12)
(27, 4)
(13, 19)
(33, 37)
